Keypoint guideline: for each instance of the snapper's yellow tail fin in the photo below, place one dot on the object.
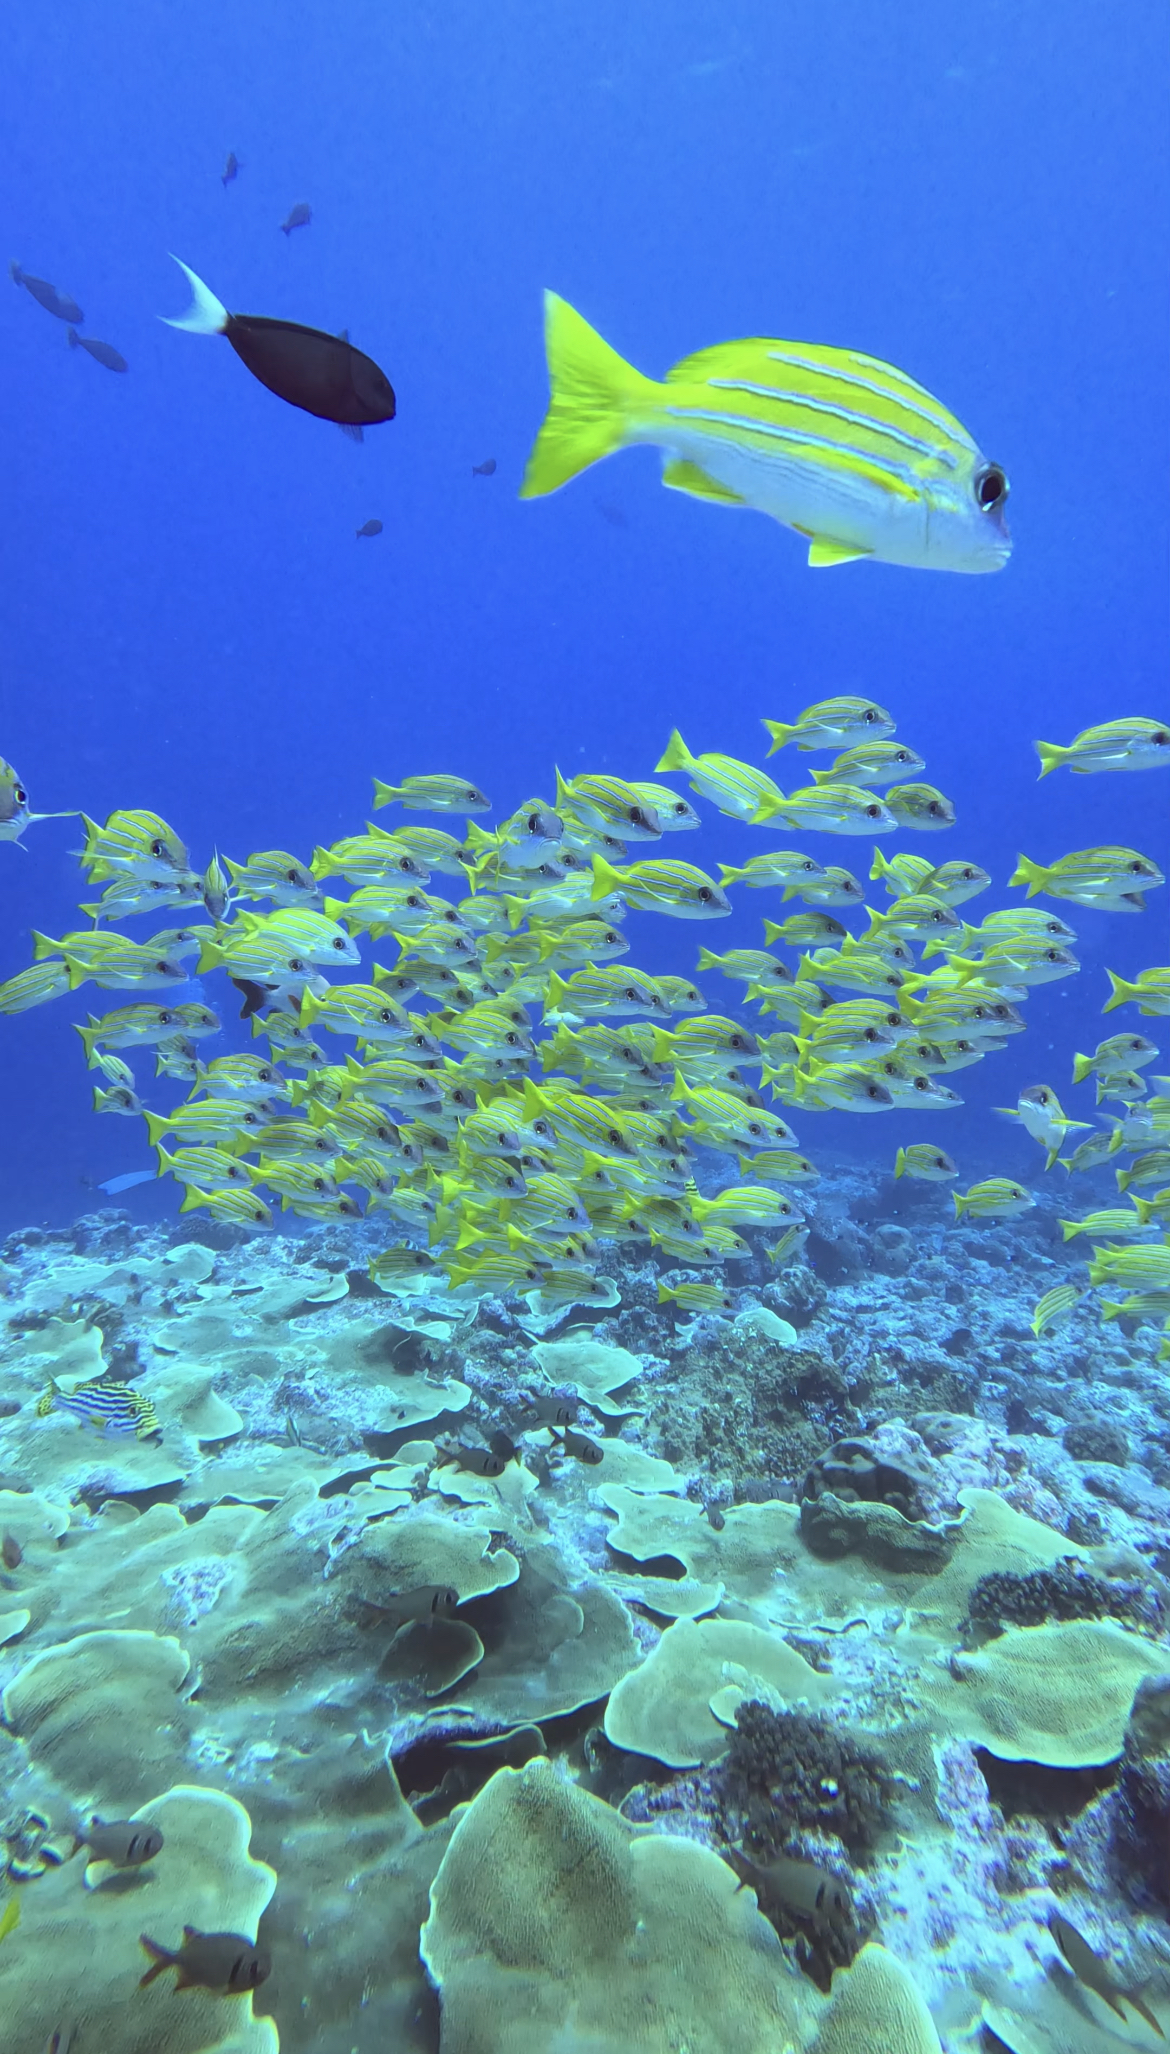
(591, 390)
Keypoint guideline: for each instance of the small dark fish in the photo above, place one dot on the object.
(503, 1445)
(125, 1843)
(46, 295)
(300, 217)
(228, 1963)
(11, 1552)
(553, 1411)
(369, 528)
(485, 470)
(230, 169)
(61, 2039)
(800, 1886)
(579, 1446)
(1095, 1974)
(423, 1606)
(477, 1461)
(101, 352)
(322, 374)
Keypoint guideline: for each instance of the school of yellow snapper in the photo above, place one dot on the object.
(516, 1181)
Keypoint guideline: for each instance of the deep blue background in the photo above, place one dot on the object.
(977, 193)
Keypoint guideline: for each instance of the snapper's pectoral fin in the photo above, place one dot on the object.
(823, 551)
(682, 476)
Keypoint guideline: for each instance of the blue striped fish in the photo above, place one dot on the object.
(112, 1408)
(853, 454)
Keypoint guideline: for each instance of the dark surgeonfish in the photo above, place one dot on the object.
(322, 374)
(228, 1963)
(46, 295)
(1095, 1974)
(299, 217)
(230, 169)
(484, 470)
(369, 528)
(101, 352)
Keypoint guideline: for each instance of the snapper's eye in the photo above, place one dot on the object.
(991, 487)
(705, 895)
(21, 796)
(158, 848)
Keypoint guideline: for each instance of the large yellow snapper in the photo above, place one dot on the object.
(522, 1188)
(849, 451)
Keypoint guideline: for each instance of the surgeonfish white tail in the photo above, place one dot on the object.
(206, 315)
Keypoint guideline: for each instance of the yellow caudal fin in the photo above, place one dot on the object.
(1032, 874)
(591, 390)
(676, 755)
(1051, 756)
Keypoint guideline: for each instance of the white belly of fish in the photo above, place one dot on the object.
(813, 499)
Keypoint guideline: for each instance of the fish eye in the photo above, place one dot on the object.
(532, 824)
(704, 894)
(873, 812)
(873, 1091)
(1052, 956)
(19, 794)
(338, 942)
(290, 877)
(808, 865)
(158, 848)
(991, 487)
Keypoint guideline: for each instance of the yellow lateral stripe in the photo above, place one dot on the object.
(890, 384)
(806, 401)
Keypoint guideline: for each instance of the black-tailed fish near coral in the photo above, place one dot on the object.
(1132, 744)
(14, 813)
(422, 1606)
(124, 1843)
(849, 451)
(368, 528)
(297, 217)
(322, 374)
(46, 295)
(102, 352)
(1095, 1974)
(228, 1963)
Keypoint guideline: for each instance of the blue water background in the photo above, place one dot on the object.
(979, 194)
